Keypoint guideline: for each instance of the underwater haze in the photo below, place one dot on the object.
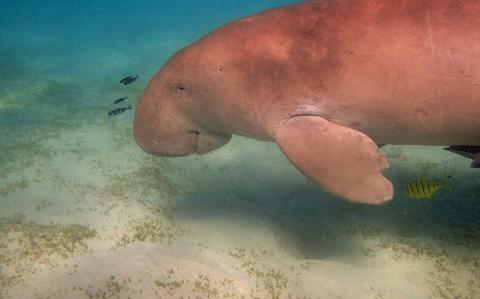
(85, 213)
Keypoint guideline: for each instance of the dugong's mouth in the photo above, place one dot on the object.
(195, 139)
(207, 142)
(185, 144)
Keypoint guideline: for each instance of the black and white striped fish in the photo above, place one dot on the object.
(119, 100)
(119, 110)
(129, 80)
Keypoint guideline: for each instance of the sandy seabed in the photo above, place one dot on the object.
(84, 213)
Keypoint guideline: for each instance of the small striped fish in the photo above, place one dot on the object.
(423, 188)
(119, 110)
(119, 100)
(129, 80)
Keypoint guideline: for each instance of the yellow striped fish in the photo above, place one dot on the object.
(423, 188)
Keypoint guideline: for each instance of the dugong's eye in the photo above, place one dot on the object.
(179, 88)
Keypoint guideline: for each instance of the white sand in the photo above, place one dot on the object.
(234, 225)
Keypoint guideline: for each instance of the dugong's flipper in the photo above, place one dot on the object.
(344, 161)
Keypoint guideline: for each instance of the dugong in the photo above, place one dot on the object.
(328, 81)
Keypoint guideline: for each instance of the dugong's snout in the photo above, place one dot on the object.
(160, 135)
(182, 143)
(167, 145)
(165, 132)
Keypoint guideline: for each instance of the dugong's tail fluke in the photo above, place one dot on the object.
(467, 151)
(476, 162)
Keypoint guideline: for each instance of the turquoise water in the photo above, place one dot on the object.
(84, 213)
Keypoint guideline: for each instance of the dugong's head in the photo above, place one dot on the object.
(176, 115)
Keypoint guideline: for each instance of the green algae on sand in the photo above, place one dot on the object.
(24, 245)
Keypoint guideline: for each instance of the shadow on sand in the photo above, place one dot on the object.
(312, 224)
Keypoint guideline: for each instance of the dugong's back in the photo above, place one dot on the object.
(407, 73)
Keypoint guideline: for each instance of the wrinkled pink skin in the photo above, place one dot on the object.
(400, 72)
